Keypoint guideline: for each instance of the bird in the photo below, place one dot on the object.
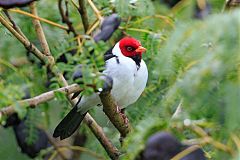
(129, 74)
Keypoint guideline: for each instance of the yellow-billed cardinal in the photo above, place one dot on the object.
(129, 76)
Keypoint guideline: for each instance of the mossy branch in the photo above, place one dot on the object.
(111, 110)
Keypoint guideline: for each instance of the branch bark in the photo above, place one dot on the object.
(13, 23)
(96, 11)
(230, 4)
(33, 102)
(39, 18)
(33, 49)
(39, 31)
(83, 12)
(65, 18)
(98, 132)
(56, 146)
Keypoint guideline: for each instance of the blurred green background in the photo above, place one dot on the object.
(192, 62)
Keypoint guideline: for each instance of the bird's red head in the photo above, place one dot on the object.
(131, 47)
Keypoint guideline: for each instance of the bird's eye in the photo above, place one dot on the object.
(129, 48)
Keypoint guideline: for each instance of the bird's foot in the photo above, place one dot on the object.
(122, 113)
(124, 118)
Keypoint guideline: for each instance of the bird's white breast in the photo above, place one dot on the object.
(128, 81)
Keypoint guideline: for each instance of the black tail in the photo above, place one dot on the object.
(69, 124)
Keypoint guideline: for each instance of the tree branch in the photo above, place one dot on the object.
(230, 4)
(56, 147)
(39, 18)
(96, 11)
(13, 23)
(24, 41)
(93, 27)
(39, 30)
(83, 12)
(98, 132)
(33, 102)
(65, 17)
(111, 110)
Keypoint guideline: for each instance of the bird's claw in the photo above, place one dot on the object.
(125, 119)
(122, 114)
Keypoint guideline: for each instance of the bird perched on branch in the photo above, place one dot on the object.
(128, 73)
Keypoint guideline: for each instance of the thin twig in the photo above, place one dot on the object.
(181, 4)
(236, 140)
(12, 22)
(65, 18)
(164, 18)
(24, 41)
(83, 12)
(98, 132)
(185, 152)
(53, 155)
(137, 30)
(53, 143)
(96, 11)
(39, 18)
(82, 149)
(93, 27)
(209, 140)
(178, 111)
(230, 4)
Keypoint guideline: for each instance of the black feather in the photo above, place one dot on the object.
(75, 95)
(69, 124)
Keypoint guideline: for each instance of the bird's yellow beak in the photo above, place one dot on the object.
(140, 49)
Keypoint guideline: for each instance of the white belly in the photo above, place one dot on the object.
(127, 90)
